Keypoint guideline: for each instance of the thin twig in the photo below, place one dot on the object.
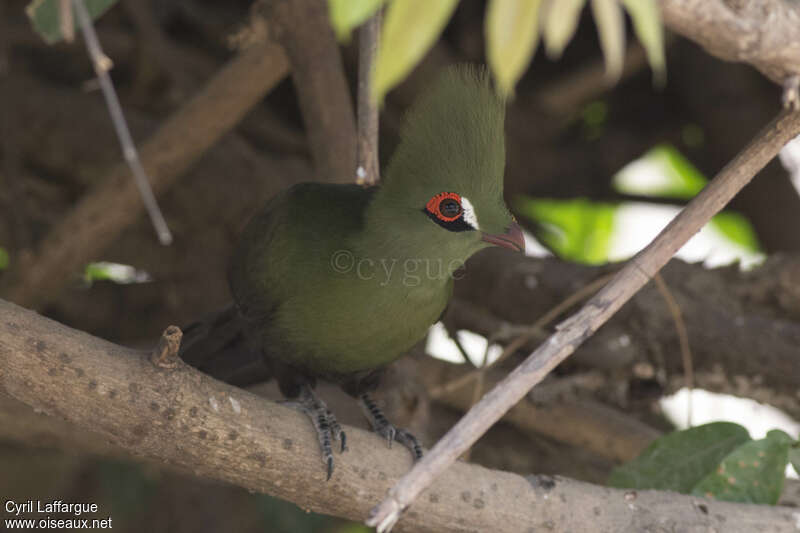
(367, 166)
(534, 329)
(459, 345)
(683, 339)
(478, 388)
(113, 204)
(102, 64)
(572, 332)
(557, 409)
(66, 21)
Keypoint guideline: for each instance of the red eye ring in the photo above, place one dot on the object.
(434, 206)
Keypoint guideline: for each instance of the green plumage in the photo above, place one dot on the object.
(319, 301)
(337, 281)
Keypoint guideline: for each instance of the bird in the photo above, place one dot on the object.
(334, 282)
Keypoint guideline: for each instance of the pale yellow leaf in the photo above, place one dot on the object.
(647, 24)
(409, 30)
(512, 31)
(610, 23)
(561, 20)
(346, 15)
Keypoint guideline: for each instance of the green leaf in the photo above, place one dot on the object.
(577, 230)
(46, 20)
(560, 23)
(737, 229)
(410, 28)
(752, 473)
(610, 23)
(4, 260)
(678, 461)
(512, 31)
(671, 175)
(118, 273)
(794, 456)
(346, 15)
(647, 25)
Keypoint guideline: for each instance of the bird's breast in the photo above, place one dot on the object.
(352, 327)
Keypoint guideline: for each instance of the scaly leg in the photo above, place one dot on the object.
(386, 429)
(325, 423)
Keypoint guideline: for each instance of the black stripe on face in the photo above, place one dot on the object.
(458, 224)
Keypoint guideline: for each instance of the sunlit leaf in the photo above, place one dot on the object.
(116, 272)
(647, 25)
(752, 473)
(736, 228)
(409, 30)
(678, 461)
(610, 23)
(560, 23)
(46, 19)
(4, 260)
(578, 229)
(662, 172)
(512, 31)
(348, 14)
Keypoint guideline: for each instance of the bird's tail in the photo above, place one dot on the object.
(217, 346)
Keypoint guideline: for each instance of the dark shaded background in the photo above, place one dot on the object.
(56, 141)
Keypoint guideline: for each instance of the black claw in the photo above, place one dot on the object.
(343, 438)
(390, 433)
(324, 422)
(383, 427)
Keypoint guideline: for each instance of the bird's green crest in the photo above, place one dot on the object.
(453, 140)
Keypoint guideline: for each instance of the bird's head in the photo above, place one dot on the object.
(443, 188)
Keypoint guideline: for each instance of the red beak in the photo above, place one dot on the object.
(512, 238)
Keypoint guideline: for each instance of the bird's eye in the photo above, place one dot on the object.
(451, 211)
(449, 208)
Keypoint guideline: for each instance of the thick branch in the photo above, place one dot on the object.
(191, 421)
(499, 289)
(763, 33)
(111, 206)
(590, 425)
(303, 29)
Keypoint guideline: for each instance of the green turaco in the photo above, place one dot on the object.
(335, 282)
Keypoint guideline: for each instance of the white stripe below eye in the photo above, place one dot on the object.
(469, 213)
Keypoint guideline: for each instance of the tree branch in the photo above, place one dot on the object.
(302, 27)
(576, 329)
(114, 204)
(763, 33)
(590, 425)
(193, 422)
(102, 64)
(507, 292)
(367, 165)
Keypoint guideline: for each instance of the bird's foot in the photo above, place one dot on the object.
(325, 423)
(386, 429)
